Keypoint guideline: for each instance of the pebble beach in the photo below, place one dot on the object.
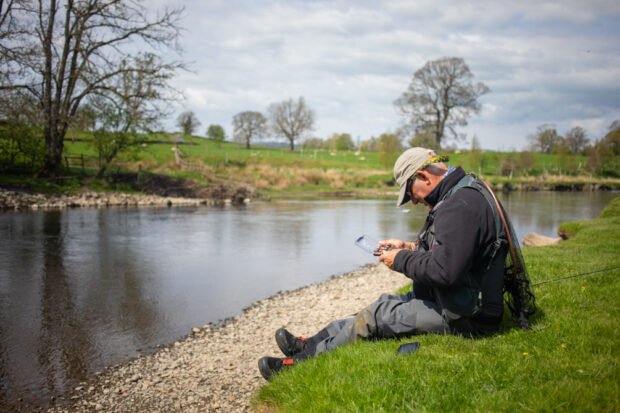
(214, 369)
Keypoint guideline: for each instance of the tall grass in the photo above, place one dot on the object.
(569, 361)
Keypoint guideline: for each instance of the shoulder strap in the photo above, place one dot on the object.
(508, 235)
(472, 181)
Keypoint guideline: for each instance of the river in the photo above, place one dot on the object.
(81, 290)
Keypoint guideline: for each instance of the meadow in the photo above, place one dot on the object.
(278, 172)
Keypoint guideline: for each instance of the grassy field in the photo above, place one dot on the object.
(569, 361)
(279, 173)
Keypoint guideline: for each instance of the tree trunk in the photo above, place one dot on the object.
(54, 143)
(53, 140)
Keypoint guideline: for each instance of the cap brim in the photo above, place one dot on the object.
(403, 198)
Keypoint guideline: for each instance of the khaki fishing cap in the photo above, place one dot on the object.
(410, 162)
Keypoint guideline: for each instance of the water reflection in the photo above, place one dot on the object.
(72, 300)
(61, 339)
(85, 289)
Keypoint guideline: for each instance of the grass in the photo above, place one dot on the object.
(567, 362)
(279, 173)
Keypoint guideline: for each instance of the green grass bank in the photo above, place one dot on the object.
(568, 362)
(303, 174)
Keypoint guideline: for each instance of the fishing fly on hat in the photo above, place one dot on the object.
(410, 162)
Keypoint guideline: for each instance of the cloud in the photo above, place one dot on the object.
(544, 61)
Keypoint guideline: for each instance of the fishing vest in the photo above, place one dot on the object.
(481, 293)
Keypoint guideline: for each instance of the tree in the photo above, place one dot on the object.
(576, 140)
(314, 143)
(12, 30)
(291, 119)
(216, 132)
(604, 157)
(370, 145)
(441, 95)
(188, 122)
(546, 138)
(341, 142)
(21, 145)
(389, 147)
(525, 161)
(131, 105)
(85, 119)
(249, 125)
(424, 140)
(78, 49)
(476, 157)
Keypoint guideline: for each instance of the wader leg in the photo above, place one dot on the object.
(389, 316)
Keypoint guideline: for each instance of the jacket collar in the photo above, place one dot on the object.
(444, 186)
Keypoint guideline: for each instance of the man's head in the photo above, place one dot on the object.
(417, 172)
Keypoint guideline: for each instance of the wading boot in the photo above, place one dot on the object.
(268, 366)
(289, 344)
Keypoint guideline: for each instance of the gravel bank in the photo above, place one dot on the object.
(21, 201)
(215, 369)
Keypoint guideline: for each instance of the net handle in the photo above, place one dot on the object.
(508, 234)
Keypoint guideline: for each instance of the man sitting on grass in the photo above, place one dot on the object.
(457, 265)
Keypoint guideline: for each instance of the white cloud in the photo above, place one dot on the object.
(545, 62)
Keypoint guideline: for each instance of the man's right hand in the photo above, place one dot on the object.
(387, 257)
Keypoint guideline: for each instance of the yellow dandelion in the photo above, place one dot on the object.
(526, 354)
(563, 345)
(583, 288)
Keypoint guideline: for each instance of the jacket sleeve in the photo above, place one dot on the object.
(460, 229)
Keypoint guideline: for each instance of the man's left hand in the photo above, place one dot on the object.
(387, 257)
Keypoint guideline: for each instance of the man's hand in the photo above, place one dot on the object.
(392, 242)
(399, 244)
(387, 257)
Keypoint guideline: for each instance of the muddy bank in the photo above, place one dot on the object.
(215, 369)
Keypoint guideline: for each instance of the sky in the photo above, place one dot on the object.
(554, 62)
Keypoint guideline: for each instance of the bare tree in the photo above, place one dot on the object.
(80, 48)
(247, 126)
(291, 119)
(11, 31)
(546, 138)
(188, 122)
(134, 104)
(441, 95)
(576, 140)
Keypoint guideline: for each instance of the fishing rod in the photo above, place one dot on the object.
(575, 276)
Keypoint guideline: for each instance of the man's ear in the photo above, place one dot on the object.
(423, 177)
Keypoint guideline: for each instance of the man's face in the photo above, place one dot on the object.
(415, 191)
(420, 185)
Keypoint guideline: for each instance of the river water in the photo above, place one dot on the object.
(84, 289)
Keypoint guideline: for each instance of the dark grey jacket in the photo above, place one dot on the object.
(456, 247)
